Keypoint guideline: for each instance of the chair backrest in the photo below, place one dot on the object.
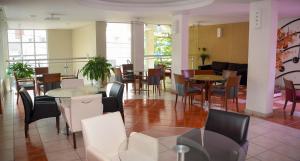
(162, 70)
(41, 70)
(106, 133)
(83, 107)
(153, 77)
(228, 73)
(118, 74)
(72, 83)
(27, 103)
(180, 84)
(144, 145)
(290, 91)
(51, 81)
(117, 90)
(188, 73)
(232, 86)
(125, 70)
(232, 125)
(204, 72)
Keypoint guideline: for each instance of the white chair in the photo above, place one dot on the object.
(105, 135)
(141, 147)
(80, 108)
(72, 83)
(102, 136)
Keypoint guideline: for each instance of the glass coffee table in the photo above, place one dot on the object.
(193, 145)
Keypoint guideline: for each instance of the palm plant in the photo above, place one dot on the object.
(22, 70)
(97, 68)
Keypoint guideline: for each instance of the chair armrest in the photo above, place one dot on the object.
(103, 93)
(92, 154)
(110, 104)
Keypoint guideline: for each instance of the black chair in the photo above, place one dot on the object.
(114, 101)
(43, 107)
(232, 125)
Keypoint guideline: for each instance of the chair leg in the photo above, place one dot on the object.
(57, 124)
(67, 129)
(293, 108)
(74, 140)
(26, 130)
(158, 89)
(123, 117)
(176, 99)
(237, 104)
(184, 100)
(285, 104)
(164, 82)
(126, 87)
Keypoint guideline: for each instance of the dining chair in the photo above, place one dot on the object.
(291, 94)
(103, 136)
(50, 81)
(123, 79)
(162, 74)
(79, 108)
(72, 83)
(39, 71)
(114, 101)
(127, 70)
(232, 125)
(42, 107)
(184, 89)
(152, 78)
(27, 83)
(228, 91)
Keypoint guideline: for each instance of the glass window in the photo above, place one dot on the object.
(118, 43)
(28, 46)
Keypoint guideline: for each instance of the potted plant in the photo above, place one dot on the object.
(22, 70)
(204, 55)
(97, 68)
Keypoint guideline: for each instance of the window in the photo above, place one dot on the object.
(157, 45)
(29, 46)
(118, 43)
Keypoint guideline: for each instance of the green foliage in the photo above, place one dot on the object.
(166, 63)
(96, 68)
(162, 45)
(22, 70)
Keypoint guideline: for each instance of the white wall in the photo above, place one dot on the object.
(60, 46)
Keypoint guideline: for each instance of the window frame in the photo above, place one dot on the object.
(34, 42)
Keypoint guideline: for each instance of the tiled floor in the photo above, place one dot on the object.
(155, 116)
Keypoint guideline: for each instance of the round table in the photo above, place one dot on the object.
(215, 147)
(207, 79)
(72, 92)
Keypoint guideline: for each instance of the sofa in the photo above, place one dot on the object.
(218, 67)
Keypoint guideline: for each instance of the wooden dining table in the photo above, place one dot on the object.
(208, 80)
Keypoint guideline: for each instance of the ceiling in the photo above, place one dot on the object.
(75, 13)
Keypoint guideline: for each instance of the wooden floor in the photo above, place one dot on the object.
(141, 113)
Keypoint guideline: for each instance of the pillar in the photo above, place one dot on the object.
(101, 38)
(180, 44)
(262, 56)
(137, 45)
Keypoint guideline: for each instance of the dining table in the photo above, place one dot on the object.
(195, 144)
(208, 80)
(72, 92)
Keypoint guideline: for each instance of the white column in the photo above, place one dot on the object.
(180, 44)
(262, 54)
(3, 48)
(137, 45)
(101, 38)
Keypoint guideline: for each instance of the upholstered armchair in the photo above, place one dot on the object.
(100, 144)
(80, 108)
(42, 107)
(291, 94)
(232, 125)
